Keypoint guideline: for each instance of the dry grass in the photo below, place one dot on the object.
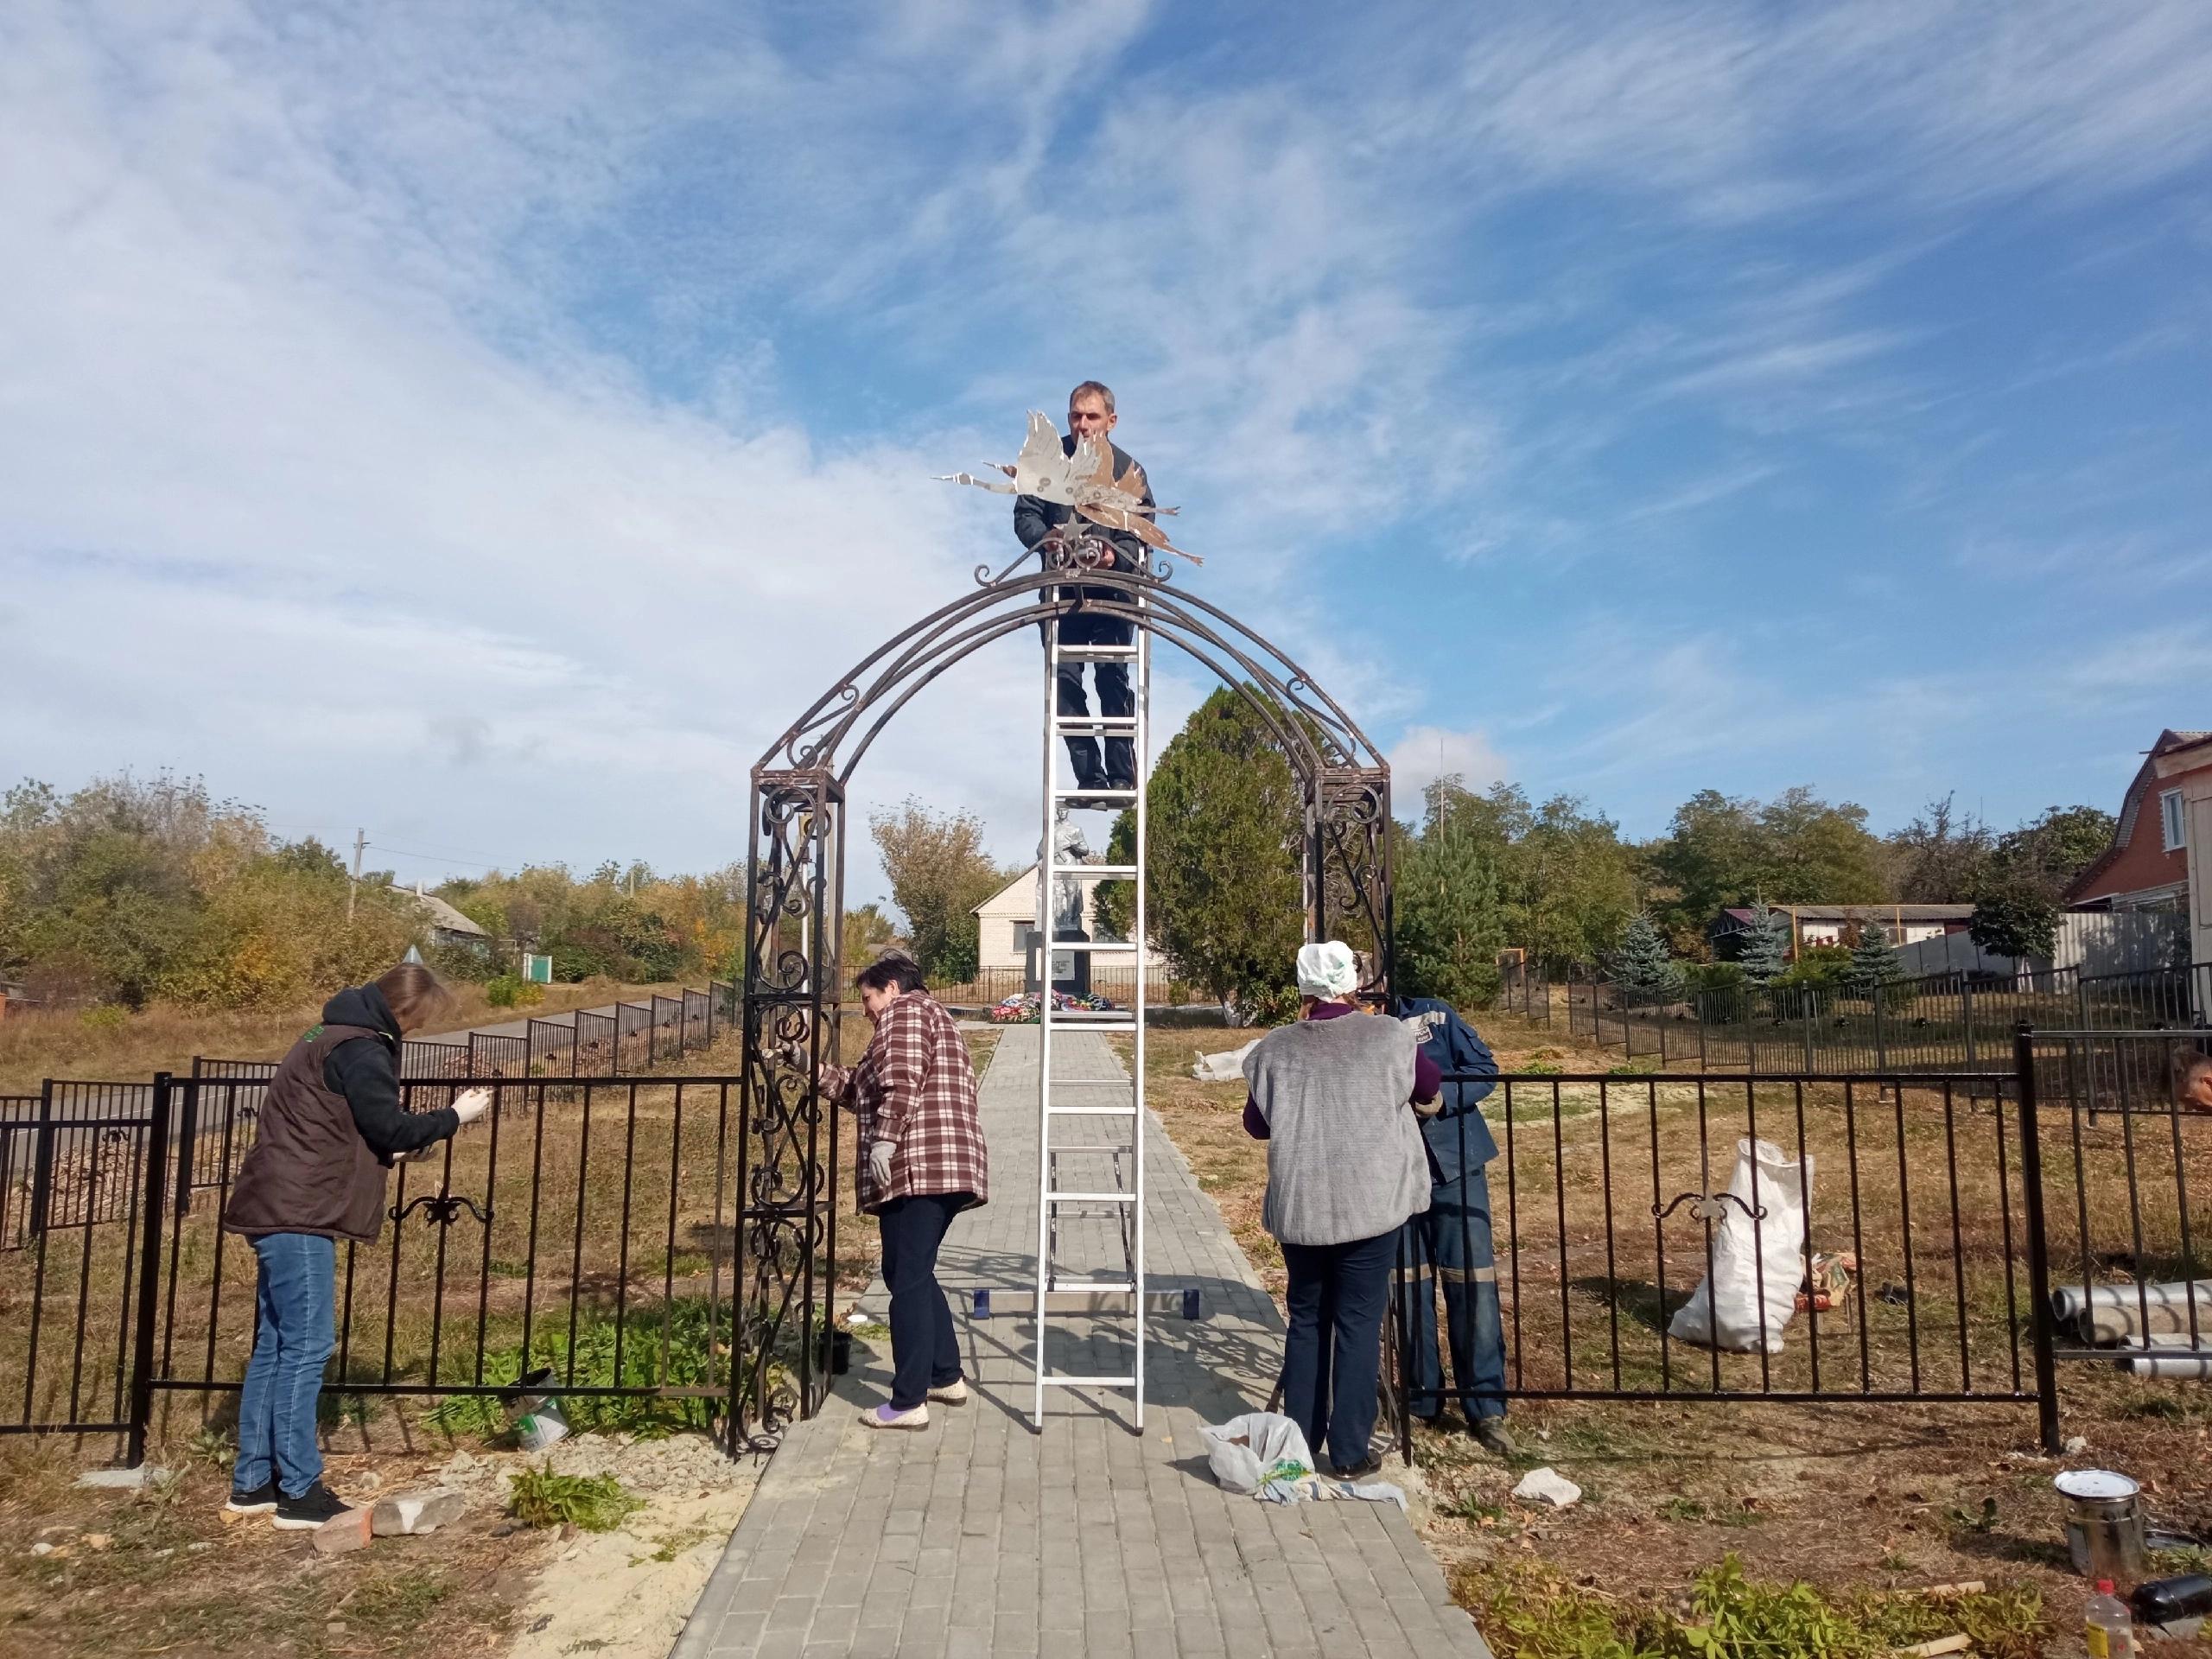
(605, 1206)
(158, 1572)
(1846, 1496)
(38, 1045)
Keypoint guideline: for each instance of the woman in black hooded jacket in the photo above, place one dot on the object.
(326, 1135)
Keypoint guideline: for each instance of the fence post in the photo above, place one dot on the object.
(189, 1142)
(1881, 1045)
(1808, 996)
(1966, 999)
(2024, 1064)
(149, 1272)
(2081, 1002)
(43, 1159)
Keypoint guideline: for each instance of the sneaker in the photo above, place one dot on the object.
(884, 1416)
(954, 1393)
(310, 1509)
(259, 1501)
(1490, 1434)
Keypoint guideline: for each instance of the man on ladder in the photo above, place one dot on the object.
(1075, 1178)
(1090, 415)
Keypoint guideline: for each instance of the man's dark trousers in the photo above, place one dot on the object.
(1452, 1242)
(1116, 699)
(1332, 1352)
(924, 1351)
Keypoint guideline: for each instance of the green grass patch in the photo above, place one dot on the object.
(1536, 1614)
(664, 1346)
(396, 1601)
(539, 1497)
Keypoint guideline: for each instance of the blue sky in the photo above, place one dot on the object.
(492, 424)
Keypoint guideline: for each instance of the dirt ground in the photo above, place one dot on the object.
(165, 1571)
(1850, 1498)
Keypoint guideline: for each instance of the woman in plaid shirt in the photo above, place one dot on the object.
(922, 1161)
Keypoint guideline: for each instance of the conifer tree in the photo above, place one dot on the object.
(1765, 950)
(1873, 962)
(1642, 966)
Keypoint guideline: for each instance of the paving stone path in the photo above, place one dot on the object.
(980, 1536)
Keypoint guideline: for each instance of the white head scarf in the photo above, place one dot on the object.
(1328, 969)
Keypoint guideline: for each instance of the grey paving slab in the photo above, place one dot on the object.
(985, 1536)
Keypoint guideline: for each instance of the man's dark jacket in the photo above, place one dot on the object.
(1458, 1126)
(1033, 517)
(328, 1127)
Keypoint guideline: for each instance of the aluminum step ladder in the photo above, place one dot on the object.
(1101, 1179)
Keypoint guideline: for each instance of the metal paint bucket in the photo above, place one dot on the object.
(2104, 1524)
(535, 1414)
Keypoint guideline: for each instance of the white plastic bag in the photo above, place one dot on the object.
(1724, 1311)
(1223, 1068)
(1246, 1452)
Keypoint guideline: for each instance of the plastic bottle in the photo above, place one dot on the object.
(2168, 1601)
(2110, 1632)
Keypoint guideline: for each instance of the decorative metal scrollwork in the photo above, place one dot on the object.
(1708, 1207)
(441, 1209)
(784, 1186)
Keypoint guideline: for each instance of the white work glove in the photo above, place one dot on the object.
(471, 1104)
(879, 1163)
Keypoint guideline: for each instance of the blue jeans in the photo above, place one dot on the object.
(1452, 1242)
(925, 1349)
(1332, 1352)
(293, 1335)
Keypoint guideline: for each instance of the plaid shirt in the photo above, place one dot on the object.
(915, 1088)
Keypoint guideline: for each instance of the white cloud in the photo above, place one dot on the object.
(405, 412)
(1423, 755)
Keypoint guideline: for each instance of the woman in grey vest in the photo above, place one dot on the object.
(1334, 1097)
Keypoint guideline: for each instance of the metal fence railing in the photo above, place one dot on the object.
(55, 1173)
(1525, 991)
(2130, 1267)
(1705, 1236)
(1949, 1023)
(1117, 984)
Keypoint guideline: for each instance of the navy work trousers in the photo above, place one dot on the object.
(924, 1351)
(1452, 1242)
(1332, 1352)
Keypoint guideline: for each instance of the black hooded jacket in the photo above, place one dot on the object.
(329, 1127)
(366, 1071)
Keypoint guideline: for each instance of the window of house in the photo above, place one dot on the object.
(2170, 818)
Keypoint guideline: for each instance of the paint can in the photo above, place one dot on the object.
(534, 1415)
(2104, 1524)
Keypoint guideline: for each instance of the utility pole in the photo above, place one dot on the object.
(360, 845)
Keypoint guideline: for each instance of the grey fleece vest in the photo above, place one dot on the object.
(1345, 1154)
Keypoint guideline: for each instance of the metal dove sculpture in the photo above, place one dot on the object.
(1083, 479)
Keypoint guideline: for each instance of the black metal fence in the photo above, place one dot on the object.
(1808, 1238)
(586, 1226)
(1947, 1023)
(2120, 1150)
(44, 1163)
(1524, 989)
(1708, 1236)
(1116, 983)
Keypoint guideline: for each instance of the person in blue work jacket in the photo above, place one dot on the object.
(1451, 1241)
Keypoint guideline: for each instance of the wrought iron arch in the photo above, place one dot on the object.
(794, 981)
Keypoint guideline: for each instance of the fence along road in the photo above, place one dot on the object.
(1950, 1023)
